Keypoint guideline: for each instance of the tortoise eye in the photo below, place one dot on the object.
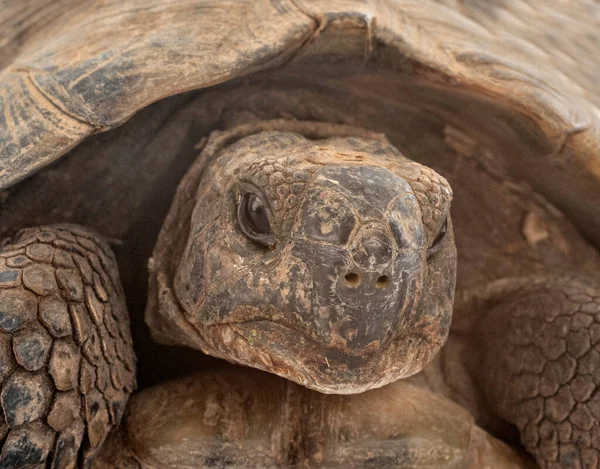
(254, 220)
(441, 233)
(439, 236)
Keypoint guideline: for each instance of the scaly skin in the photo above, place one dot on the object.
(539, 367)
(67, 377)
(523, 352)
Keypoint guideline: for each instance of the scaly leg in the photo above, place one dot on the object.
(538, 341)
(66, 358)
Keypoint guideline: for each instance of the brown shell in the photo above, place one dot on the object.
(70, 70)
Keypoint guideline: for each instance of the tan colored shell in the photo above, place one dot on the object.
(260, 421)
(71, 69)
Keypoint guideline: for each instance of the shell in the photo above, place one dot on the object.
(104, 63)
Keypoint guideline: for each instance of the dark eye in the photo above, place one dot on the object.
(254, 221)
(439, 236)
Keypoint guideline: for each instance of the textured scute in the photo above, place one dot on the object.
(92, 76)
(129, 54)
(53, 339)
(239, 418)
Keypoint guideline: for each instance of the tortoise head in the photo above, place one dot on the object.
(328, 262)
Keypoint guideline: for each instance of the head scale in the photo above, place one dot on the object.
(330, 262)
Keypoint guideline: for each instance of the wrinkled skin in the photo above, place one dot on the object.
(352, 285)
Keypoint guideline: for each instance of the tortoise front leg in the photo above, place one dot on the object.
(243, 418)
(539, 346)
(66, 359)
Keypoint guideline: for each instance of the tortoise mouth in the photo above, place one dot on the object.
(328, 368)
(301, 335)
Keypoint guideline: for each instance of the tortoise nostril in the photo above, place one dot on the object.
(352, 279)
(382, 281)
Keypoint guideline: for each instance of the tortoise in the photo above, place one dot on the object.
(311, 239)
